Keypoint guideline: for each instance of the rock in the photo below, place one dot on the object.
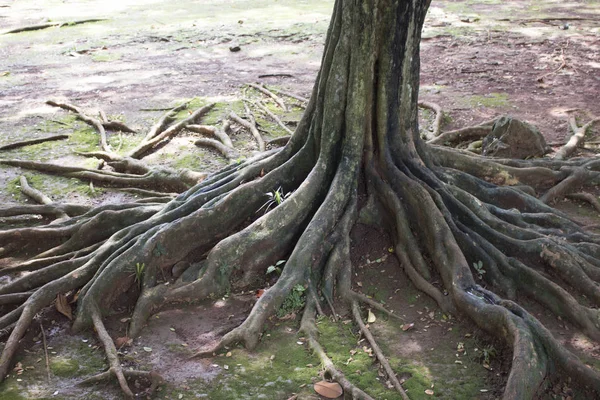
(234, 48)
(512, 138)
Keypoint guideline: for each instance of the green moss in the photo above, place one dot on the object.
(85, 139)
(339, 341)
(10, 390)
(491, 100)
(64, 367)
(106, 57)
(275, 369)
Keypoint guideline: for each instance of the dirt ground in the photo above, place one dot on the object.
(480, 59)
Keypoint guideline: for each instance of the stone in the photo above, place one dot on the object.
(512, 138)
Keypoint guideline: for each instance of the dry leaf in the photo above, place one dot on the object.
(259, 293)
(371, 317)
(122, 341)
(63, 307)
(429, 392)
(407, 327)
(330, 390)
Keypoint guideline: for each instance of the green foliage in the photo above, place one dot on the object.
(276, 268)
(139, 272)
(478, 266)
(293, 302)
(275, 198)
(488, 354)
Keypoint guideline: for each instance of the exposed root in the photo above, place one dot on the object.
(272, 95)
(576, 139)
(30, 142)
(587, 197)
(437, 123)
(52, 25)
(153, 377)
(160, 132)
(40, 197)
(378, 353)
(459, 135)
(447, 212)
(222, 143)
(251, 126)
(274, 117)
(302, 99)
(111, 353)
(309, 327)
(93, 122)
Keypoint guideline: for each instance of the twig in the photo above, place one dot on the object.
(272, 95)
(45, 351)
(33, 141)
(562, 65)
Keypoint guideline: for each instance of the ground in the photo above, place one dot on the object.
(479, 60)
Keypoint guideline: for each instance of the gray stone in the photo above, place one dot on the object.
(512, 138)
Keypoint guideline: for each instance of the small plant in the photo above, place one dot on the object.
(139, 272)
(275, 198)
(488, 353)
(293, 302)
(276, 268)
(478, 266)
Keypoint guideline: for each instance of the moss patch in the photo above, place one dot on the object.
(492, 100)
(276, 369)
(64, 367)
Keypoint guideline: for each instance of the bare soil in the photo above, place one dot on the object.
(479, 60)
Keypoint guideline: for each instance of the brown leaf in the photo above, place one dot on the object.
(407, 327)
(63, 307)
(122, 341)
(429, 392)
(330, 390)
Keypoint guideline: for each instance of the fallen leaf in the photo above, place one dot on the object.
(330, 390)
(407, 327)
(122, 341)
(63, 307)
(259, 293)
(148, 349)
(429, 392)
(371, 317)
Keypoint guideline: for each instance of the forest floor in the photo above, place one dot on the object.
(480, 59)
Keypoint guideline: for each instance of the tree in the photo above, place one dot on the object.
(355, 156)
